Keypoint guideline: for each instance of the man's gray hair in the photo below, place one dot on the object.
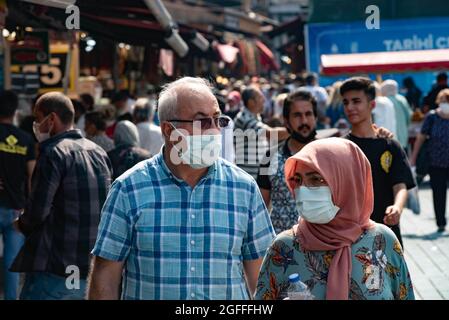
(143, 110)
(168, 98)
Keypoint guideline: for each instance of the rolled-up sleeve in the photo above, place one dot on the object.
(260, 232)
(115, 229)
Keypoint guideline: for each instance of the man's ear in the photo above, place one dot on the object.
(166, 129)
(53, 117)
(372, 104)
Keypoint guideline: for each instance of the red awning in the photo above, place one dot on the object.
(266, 56)
(385, 62)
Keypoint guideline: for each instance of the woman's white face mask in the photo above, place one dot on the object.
(444, 107)
(315, 204)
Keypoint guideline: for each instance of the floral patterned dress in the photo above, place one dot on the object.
(379, 271)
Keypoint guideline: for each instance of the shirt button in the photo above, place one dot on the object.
(192, 269)
(192, 295)
(193, 216)
(192, 242)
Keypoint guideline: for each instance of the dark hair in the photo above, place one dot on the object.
(299, 95)
(96, 118)
(311, 78)
(285, 90)
(248, 94)
(78, 106)
(359, 84)
(87, 100)
(119, 96)
(8, 104)
(442, 76)
(408, 83)
(58, 103)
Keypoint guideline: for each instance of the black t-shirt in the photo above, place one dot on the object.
(389, 166)
(16, 149)
(263, 180)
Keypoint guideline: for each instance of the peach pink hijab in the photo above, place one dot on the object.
(348, 173)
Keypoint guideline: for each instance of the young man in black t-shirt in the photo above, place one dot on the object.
(17, 160)
(391, 171)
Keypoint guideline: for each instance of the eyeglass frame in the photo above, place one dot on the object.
(215, 120)
(322, 182)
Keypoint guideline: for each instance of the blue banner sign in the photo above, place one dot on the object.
(393, 35)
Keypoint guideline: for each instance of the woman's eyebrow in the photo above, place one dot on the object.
(312, 173)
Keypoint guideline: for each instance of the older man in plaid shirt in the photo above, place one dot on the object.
(69, 186)
(187, 229)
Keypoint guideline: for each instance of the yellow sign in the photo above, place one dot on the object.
(11, 147)
(51, 76)
(386, 160)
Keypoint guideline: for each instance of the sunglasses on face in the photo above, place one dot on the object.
(220, 122)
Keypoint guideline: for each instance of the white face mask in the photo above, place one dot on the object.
(315, 204)
(41, 136)
(444, 107)
(202, 150)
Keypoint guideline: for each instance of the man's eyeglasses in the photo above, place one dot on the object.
(220, 122)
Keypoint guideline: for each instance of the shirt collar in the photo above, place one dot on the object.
(70, 134)
(248, 113)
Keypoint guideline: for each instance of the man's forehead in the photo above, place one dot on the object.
(302, 106)
(203, 106)
(354, 94)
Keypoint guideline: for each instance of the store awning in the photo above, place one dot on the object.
(384, 62)
(267, 57)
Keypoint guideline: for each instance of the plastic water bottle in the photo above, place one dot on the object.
(298, 290)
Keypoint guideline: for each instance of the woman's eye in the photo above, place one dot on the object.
(296, 179)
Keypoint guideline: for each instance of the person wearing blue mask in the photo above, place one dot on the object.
(185, 224)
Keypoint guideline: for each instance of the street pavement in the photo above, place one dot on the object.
(426, 251)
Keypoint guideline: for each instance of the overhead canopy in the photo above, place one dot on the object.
(384, 62)
(350, 10)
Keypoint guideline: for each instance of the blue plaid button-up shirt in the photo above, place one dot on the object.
(180, 242)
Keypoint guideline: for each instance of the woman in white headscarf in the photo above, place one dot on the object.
(403, 111)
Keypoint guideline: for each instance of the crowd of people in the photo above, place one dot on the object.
(218, 192)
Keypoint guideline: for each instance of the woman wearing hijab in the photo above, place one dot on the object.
(127, 152)
(336, 249)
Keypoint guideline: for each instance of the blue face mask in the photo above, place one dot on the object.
(315, 204)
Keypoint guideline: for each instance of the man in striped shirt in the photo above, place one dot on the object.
(251, 134)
